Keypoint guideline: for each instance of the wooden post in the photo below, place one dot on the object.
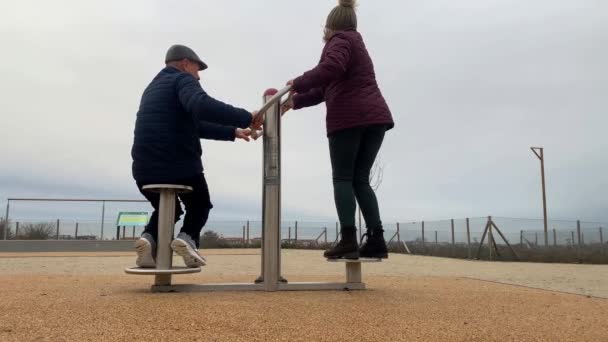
(337, 232)
(578, 232)
(436, 242)
(453, 238)
(124, 232)
(542, 167)
(521, 238)
(541, 156)
(8, 202)
(323, 233)
(423, 237)
(57, 237)
(505, 240)
(468, 238)
(601, 241)
(289, 234)
(244, 235)
(573, 241)
(17, 229)
(103, 216)
(483, 237)
(399, 234)
(554, 238)
(133, 232)
(296, 232)
(248, 237)
(580, 245)
(490, 238)
(536, 239)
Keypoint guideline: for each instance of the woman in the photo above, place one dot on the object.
(357, 119)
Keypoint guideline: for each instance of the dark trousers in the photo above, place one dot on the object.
(196, 203)
(353, 152)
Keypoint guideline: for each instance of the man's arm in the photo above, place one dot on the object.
(205, 108)
(213, 131)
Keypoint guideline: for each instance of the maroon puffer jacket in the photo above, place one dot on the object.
(345, 80)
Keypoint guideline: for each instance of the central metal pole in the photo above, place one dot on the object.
(271, 207)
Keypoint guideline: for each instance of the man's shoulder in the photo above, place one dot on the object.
(172, 78)
(170, 73)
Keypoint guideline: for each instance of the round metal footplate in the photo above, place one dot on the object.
(154, 271)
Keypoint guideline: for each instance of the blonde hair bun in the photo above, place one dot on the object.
(348, 3)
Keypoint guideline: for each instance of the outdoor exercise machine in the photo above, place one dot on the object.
(270, 278)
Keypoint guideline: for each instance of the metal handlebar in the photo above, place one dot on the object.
(274, 99)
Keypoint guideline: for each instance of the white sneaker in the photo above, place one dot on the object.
(146, 250)
(184, 246)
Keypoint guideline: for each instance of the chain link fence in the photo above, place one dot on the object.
(511, 239)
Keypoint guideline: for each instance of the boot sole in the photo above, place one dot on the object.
(143, 248)
(349, 256)
(376, 256)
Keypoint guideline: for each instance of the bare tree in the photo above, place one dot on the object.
(37, 231)
(5, 225)
(210, 239)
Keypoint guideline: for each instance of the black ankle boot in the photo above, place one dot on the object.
(347, 248)
(374, 246)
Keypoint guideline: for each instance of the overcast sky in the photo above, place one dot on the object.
(472, 84)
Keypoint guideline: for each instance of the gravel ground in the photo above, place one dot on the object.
(87, 297)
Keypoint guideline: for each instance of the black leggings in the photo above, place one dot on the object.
(353, 152)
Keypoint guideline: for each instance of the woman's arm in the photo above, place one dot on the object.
(311, 98)
(333, 64)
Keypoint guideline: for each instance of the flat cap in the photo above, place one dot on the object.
(178, 52)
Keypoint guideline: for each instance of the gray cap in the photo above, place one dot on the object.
(178, 52)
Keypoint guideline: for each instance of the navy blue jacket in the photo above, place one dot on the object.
(166, 146)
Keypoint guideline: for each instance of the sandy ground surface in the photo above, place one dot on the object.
(87, 297)
(589, 280)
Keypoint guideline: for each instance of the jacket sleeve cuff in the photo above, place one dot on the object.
(297, 102)
(298, 85)
(229, 133)
(243, 118)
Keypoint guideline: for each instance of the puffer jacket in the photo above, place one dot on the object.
(166, 145)
(345, 80)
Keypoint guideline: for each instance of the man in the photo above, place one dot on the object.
(174, 113)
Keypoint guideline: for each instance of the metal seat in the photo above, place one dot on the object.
(166, 223)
